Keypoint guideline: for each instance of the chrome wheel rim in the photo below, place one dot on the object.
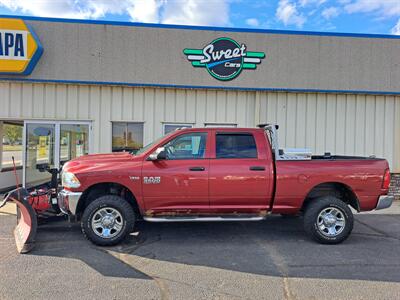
(107, 222)
(331, 221)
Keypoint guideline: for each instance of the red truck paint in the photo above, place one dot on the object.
(364, 177)
(227, 185)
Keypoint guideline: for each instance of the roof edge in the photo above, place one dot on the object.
(179, 86)
(209, 28)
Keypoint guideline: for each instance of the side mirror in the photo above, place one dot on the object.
(159, 154)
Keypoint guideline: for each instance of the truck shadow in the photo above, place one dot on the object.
(275, 247)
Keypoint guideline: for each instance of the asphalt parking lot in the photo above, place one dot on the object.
(273, 259)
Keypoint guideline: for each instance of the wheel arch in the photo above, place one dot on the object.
(337, 189)
(106, 188)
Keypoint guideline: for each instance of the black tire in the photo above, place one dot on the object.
(312, 215)
(116, 203)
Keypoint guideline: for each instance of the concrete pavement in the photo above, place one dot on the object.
(261, 260)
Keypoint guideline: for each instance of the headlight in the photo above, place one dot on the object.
(69, 180)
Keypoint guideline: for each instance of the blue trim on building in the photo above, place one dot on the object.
(188, 27)
(38, 53)
(199, 86)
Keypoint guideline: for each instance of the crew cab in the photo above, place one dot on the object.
(221, 174)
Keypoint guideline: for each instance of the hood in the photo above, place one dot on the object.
(103, 157)
(98, 162)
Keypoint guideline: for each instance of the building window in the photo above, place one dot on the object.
(127, 136)
(236, 145)
(74, 141)
(228, 125)
(11, 144)
(169, 127)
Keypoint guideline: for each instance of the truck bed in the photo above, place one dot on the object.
(296, 178)
(343, 157)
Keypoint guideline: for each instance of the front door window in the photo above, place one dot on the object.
(187, 146)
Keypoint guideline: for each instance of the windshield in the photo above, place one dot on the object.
(148, 146)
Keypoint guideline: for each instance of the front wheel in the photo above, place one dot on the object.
(328, 220)
(108, 220)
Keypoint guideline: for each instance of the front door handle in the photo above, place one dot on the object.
(257, 168)
(197, 169)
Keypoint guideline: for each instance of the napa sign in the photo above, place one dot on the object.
(224, 58)
(20, 48)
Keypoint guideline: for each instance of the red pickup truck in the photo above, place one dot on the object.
(221, 174)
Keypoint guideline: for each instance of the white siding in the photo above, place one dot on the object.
(336, 123)
(104, 104)
(341, 124)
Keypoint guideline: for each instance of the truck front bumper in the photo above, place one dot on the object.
(68, 201)
(384, 202)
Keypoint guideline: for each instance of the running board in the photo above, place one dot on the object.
(204, 219)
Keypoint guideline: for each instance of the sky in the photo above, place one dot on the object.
(353, 16)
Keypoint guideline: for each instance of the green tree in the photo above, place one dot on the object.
(13, 133)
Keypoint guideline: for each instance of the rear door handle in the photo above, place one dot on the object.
(197, 169)
(257, 168)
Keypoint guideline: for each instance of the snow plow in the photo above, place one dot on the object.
(25, 231)
(32, 207)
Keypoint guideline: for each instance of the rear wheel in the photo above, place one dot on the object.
(108, 220)
(328, 220)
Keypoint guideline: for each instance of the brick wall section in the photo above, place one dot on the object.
(395, 186)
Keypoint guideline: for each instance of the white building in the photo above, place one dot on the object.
(111, 86)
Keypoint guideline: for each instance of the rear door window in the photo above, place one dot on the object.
(235, 145)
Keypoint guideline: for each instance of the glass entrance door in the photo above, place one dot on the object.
(49, 145)
(39, 153)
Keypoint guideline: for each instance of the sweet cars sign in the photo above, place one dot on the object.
(20, 49)
(224, 58)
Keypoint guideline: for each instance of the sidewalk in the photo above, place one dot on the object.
(8, 209)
